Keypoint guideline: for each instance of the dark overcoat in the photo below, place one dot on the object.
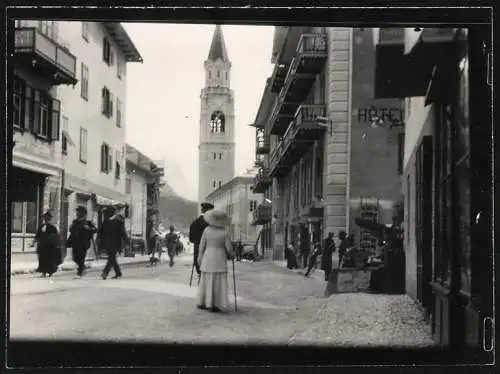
(112, 234)
(326, 259)
(48, 248)
(195, 232)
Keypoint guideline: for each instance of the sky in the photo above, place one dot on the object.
(163, 93)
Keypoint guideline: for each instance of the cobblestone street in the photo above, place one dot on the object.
(156, 304)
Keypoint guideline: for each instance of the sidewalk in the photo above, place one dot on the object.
(26, 263)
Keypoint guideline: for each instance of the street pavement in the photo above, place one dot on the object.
(156, 304)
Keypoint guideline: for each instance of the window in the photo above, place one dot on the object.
(220, 156)
(107, 102)
(209, 75)
(47, 28)
(253, 205)
(318, 182)
(19, 106)
(83, 145)
(41, 114)
(85, 31)
(215, 155)
(106, 158)
(107, 53)
(218, 73)
(309, 179)
(217, 122)
(213, 184)
(118, 113)
(84, 84)
(220, 184)
(226, 75)
(64, 139)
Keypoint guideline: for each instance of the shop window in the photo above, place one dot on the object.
(17, 217)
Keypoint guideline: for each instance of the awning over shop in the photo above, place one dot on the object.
(104, 201)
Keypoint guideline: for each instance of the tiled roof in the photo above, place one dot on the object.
(218, 46)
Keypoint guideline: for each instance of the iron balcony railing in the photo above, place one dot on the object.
(306, 118)
(309, 45)
(30, 40)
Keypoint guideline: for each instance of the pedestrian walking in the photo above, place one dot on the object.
(80, 238)
(214, 251)
(314, 258)
(291, 257)
(343, 246)
(48, 247)
(326, 259)
(195, 232)
(171, 242)
(112, 234)
(304, 252)
(156, 240)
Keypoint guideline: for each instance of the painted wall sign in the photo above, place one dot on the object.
(374, 113)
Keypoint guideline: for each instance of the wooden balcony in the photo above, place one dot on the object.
(262, 214)
(262, 180)
(42, 54)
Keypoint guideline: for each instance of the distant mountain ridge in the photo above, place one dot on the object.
(176, 210)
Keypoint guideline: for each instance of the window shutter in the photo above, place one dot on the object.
(110, 105)
(110, 160)
(54, 123)
(102, 157)
(104, 54)
(103, 101)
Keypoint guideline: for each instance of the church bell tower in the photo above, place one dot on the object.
(217, 145)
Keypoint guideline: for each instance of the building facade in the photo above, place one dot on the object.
(42, 64)
(217, 146)
(325, 153)
(142, 188)
(93, 118)
(447, 187)
(239, 201)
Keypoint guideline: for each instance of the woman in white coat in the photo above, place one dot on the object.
(215, 250)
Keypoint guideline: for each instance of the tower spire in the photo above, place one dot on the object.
(218, 46)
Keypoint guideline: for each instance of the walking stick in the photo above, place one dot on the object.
(234, 286)
(191, 279)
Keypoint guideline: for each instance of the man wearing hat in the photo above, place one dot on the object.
(112, 234)
(196, 231)
(80, 238)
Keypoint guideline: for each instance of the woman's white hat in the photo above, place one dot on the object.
(216, 218)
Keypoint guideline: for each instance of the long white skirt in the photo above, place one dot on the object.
(213, 291)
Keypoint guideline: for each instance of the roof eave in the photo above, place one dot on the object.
(123, 40)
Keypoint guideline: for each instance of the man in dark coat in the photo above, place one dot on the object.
(111, 236)
(80, 238)
(326, 259)
(171, 242)
(195, 232)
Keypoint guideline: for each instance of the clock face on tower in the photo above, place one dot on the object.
(217, 122)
